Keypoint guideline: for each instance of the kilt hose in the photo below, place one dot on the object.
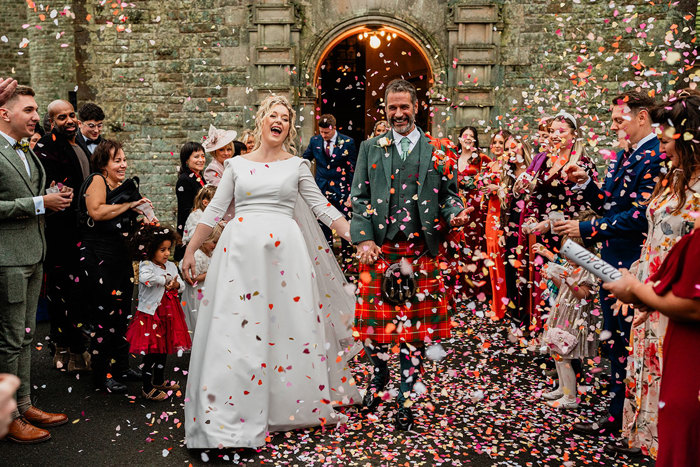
(422, 319)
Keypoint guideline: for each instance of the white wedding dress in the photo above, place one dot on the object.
(272, 341)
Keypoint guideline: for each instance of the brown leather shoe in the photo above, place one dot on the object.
(79, 362)
(44, 419)
(23, 432)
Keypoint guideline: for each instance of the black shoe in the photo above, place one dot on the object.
(621, 447)
(372, 399)
(404, 418)
(130, 374)
(602, 426)
(112, 386)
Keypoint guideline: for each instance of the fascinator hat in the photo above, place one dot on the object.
(218, 138)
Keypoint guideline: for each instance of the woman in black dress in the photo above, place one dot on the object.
(189, 182)
(105, 228)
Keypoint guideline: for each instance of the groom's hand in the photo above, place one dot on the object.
(368, 252)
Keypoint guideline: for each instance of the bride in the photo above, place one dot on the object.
(270, 351)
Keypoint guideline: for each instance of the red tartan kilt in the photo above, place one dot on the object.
(423, 319)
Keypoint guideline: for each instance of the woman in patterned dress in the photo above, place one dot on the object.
(670, 212)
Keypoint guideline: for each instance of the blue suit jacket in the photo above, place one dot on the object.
(334, 174)
(628, 185)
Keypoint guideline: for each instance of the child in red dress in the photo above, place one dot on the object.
(158, 328)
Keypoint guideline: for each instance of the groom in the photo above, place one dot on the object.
(398, 198)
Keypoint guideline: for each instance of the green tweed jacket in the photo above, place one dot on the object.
(21, 229)
(437, 194)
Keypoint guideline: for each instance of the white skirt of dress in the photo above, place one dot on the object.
(260, 358)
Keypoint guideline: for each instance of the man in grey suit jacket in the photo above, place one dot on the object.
(22, 207)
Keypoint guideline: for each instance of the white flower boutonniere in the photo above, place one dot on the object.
(384, 142)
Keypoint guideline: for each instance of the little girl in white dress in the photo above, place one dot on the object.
(193, 293)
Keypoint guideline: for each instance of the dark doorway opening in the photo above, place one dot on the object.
(355, 70)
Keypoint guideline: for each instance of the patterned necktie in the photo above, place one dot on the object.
(405, 143)
(328, 148)
(23, 145)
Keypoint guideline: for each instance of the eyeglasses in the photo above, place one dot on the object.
(92, 126)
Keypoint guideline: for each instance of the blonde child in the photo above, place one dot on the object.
(571, 330)
(201, 201)
(158, 328)
(192, 294)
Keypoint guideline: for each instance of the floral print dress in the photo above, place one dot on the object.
(644, 367)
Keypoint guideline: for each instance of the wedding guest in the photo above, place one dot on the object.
(248, 138)
(201, 201)
(219, 143)
(671, 212)
(9, 384)
(193, 293)
(492, 229)
(621, 229)
(541, 140)
(189, 182)
(674, 291)
(572, 327)
(23, 205)
(517, 158)
(66, 163)
(107, 260)
(38, 133)
(472, 166)
(335, 156)
(548, 192)
(91, 120)
(380, 127)
(239, 148)
(158, 328)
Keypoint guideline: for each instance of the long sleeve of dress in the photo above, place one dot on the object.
(308, 189)
(222, 198)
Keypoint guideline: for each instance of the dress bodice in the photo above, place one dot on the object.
(267, 187)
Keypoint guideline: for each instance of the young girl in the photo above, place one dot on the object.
(158, 327)
(193, 294)
(571, 331)
(201, 201)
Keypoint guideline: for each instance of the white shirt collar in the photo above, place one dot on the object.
(9, 138)
(413, 137)
(643, 141)
(333, 139)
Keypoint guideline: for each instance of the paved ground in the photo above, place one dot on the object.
(481, 408)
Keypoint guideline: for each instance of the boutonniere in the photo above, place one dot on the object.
(384, 142)
(444, 155)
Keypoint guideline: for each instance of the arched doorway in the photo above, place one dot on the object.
(356, 66)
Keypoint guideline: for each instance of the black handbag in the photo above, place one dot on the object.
(127, 192)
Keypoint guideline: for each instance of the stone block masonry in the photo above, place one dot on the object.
(164, 70)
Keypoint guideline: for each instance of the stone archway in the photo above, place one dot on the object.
(353, 88)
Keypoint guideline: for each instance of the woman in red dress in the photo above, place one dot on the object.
(472, 165)
(493, 230)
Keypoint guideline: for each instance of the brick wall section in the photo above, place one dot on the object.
(12, 63)
(164, 71)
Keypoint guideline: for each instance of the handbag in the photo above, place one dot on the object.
(560, 341)
(127, 192)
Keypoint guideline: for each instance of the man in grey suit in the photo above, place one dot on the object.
(22, 208)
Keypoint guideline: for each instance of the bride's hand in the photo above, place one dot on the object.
(188, 269)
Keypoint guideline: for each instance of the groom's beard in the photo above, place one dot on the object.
(403, 125)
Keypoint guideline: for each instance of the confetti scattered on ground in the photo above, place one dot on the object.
(481, 406)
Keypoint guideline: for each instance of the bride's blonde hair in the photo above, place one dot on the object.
(265, 110)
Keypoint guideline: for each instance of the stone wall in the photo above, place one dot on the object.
(14, 54)
(164, 70)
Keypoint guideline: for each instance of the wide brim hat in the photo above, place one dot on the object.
(218, 138)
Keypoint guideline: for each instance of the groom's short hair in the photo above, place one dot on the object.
(401, 85)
